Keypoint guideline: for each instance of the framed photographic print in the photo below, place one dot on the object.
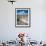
(22, 17)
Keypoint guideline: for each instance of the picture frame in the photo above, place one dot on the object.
(22, 17)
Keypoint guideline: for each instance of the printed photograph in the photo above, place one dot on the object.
(22, 17)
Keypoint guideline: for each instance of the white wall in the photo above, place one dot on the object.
(8, 31)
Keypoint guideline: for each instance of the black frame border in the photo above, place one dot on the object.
(29, 18)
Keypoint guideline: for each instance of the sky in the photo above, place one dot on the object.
(22, 12)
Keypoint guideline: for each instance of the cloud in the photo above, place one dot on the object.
(22, 13)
